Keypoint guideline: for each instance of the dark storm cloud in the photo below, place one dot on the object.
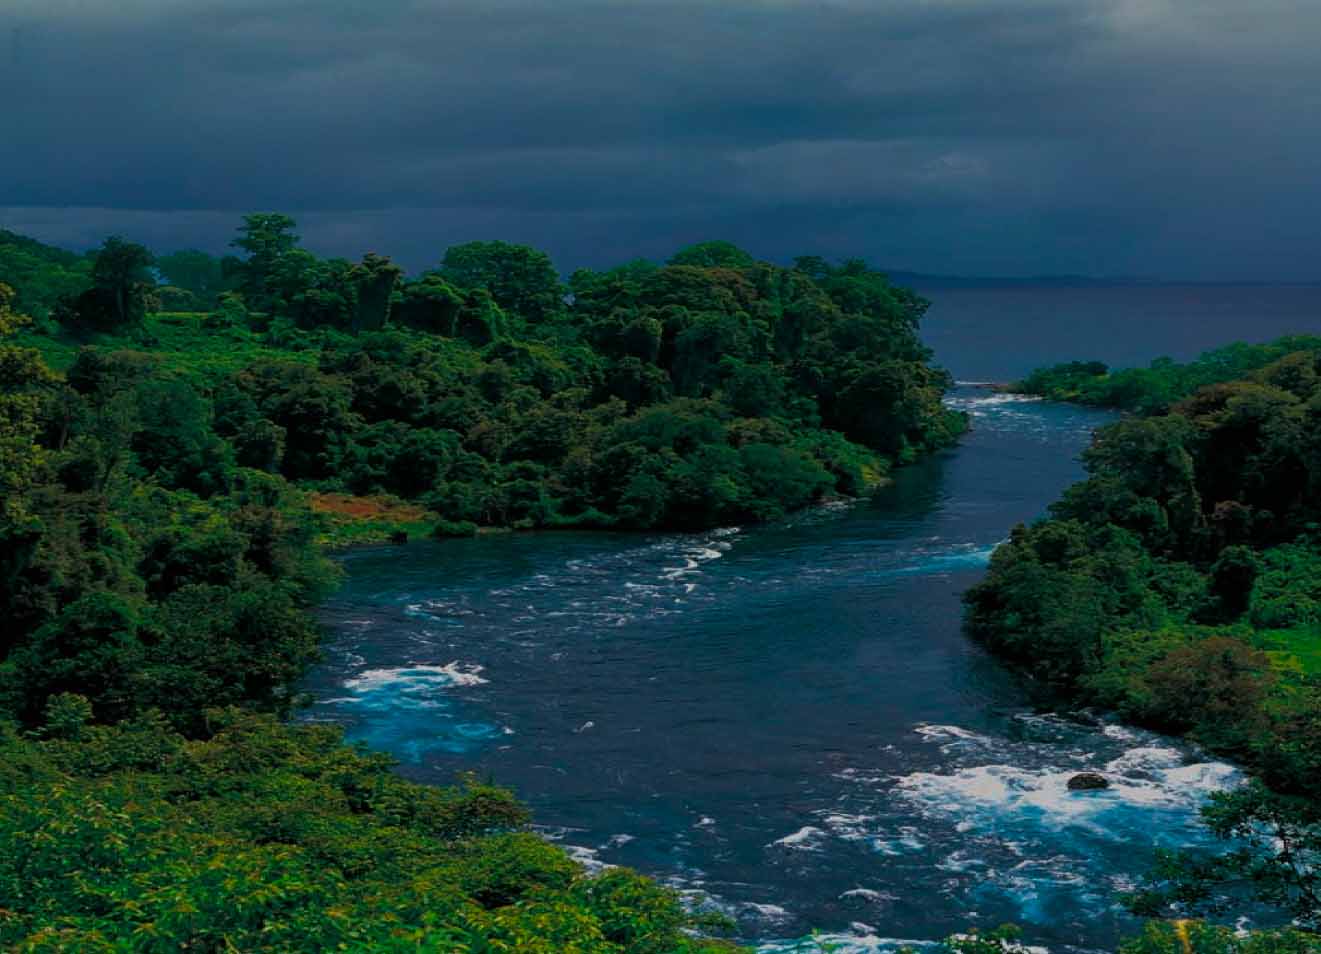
(1000, 136)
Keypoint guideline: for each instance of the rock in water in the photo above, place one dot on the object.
(1088, 782)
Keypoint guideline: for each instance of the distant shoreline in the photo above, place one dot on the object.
(922, 281)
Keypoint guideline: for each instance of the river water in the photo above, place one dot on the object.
(784, 720)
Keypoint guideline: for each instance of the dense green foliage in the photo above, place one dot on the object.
(1198, 938)
(713, 391)
(41, 274)
(255, 837)
(1151, 389)
(1178, 585)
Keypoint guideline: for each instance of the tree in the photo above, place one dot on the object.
(267, 237)
(314, 409)
(91, 648)
(1214, 687)
(10, 320)
(702, 350)
(715, 254)
(313, 292)
(1233, 577)
(24, 377)
(1275, 849)
(522, 280)
(429, 303)
(1196, 937)
(121, 286)
(175, 441)
(877, 407)
(374, 282)
(194, 271)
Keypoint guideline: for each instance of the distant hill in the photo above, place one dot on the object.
(40, 273)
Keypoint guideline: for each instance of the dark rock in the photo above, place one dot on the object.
(399, 537)
(1088, 782)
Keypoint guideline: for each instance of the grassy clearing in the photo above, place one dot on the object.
(1297, 649)
(181, 340)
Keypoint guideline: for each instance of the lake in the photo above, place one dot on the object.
(1003, 333)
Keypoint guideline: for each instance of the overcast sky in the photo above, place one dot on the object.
(1173, 138)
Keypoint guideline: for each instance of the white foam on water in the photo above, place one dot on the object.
(807, 838)
(906, 842)
(408, 687)
(1144, 759)
(960, 862)
(620, 587)
(870, 895)
(850, 827)
(438, 611)
(1120, 732)
(952, 737)
(866, 941)
(587, 857)
(766, 912)
(694, 555)
(974, 403)
(861, 827)
(858, 943)
(986, 796)
(953, 558)
(996, 814)
(418, 677)
(935, 558)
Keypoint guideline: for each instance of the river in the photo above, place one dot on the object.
(784, 720)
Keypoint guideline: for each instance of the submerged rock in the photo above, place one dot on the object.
(1088, 782)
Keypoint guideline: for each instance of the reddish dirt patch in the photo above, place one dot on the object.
(367, 508)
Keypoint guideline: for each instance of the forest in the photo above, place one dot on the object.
(487, 392)
(183, 436)
(1179, 585)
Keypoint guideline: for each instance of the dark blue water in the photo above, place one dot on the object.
(784, 720)
(1002, 333)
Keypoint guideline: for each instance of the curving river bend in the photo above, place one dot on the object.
(785, 720)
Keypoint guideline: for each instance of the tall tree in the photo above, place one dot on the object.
(122, 277)
(267, 237)
(374, 281)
